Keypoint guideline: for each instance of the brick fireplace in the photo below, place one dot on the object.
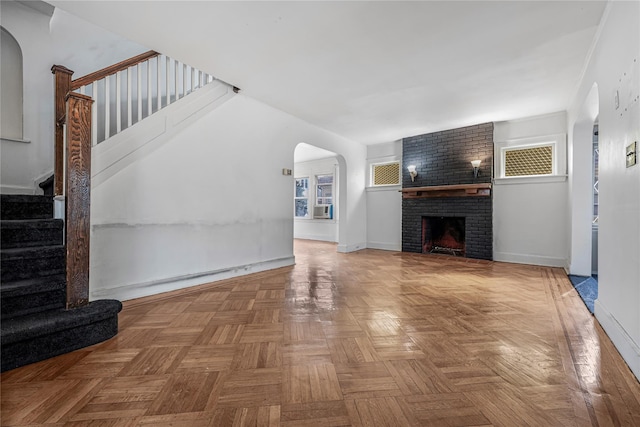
(445, 197)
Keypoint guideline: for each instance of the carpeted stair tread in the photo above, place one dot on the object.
(24, 206)
(30, 233)
(30, 286)
(30, 252)
(30, 339)
(47, 186)
(30, 327)
(32, 262)
(30, 296)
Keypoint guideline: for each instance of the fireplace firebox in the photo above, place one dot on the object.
(445, 235)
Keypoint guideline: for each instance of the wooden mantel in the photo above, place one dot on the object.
(459, 190)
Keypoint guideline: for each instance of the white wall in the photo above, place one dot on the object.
(530, 215)
(384, 204)
(46, 40)
(317, 229)
(212, 203)
(614, 66)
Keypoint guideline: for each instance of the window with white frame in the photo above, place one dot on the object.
(531, 157)
(385, 174)
(324, 190)
(301, 199)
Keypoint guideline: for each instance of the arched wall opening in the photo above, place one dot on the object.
(581, 185)
(11, 87)
(319, 194)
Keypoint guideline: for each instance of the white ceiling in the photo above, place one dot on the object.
(374, 71)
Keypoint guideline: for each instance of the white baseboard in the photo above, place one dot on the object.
(529, 259)
(320, 237)
(625, 345)
(16, 189)
(139, 290)
(385, 246)
(351, 248)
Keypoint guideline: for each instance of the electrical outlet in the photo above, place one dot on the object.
(286, 172)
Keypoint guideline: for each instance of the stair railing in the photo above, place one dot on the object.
(132, 90)
(128, 91)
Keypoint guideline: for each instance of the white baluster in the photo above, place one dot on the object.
(139, 86)
(118, 102)
(184, 79)
(149, 94)
(94, 114)
(168, 80)
(159, 86)
(176, 77)
(200, 79)
(193, 79)
(81, 90)
(129, 113)
(107, 107)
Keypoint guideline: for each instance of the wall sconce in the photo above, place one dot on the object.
(476, 167)
(412, 172)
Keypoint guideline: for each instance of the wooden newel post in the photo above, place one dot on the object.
(78, 197)
(62, 88)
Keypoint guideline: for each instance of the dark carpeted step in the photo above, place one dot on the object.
(47, 186)
(22, 206)
(28, 263)
(30, 296)
(36, 337)
(30, 232)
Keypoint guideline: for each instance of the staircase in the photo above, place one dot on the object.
(35, 324)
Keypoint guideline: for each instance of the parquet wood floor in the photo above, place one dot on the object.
(371, 338)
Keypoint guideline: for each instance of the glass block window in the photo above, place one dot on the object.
(385, 174)
(528, 161)
(324, 189)
(301, 199)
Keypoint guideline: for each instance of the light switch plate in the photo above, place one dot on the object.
(632, 154)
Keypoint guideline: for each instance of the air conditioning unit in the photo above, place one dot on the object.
(321, 212)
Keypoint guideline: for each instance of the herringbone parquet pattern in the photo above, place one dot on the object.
(371, 338)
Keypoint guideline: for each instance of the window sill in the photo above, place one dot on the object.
(24, 141)
(316, 220)
(394, 187)
(530, 179)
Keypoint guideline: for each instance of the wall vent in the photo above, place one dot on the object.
(529, 161)
(386, 174)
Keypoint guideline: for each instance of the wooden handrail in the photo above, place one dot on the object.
(112, 69)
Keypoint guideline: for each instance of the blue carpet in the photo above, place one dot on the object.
(587, 288)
